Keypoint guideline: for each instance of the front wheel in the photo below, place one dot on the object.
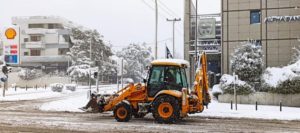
(166, 109)
(123, 112)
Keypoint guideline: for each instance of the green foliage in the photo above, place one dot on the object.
(290, 86)
(245, 89)
(247, 62)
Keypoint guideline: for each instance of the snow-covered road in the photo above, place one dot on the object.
(26, 116)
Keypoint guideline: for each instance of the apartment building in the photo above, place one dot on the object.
(273, 24)
(44, 40)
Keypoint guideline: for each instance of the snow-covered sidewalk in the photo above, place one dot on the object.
(216, 109)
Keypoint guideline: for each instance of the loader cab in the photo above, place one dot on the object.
(168, 74)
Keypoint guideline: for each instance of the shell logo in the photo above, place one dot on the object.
(10, 33)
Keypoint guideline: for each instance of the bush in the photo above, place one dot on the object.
(27, 74)
(57, 87)
(289, 86)
(247, 62)
(216, 91)
(71, 87)
(227, 86)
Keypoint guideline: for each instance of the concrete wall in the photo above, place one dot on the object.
(263, 98)
(40, 82)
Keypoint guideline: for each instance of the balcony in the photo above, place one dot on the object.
(41, 31)
(35, 45)
(45, 59)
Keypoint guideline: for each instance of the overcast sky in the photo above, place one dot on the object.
(120, 21)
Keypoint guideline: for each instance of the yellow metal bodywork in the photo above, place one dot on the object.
(191, 101)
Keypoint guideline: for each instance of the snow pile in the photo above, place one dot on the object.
(216, 89)
(31, 94)
(248, 111)
(273, 76)
(74, 103)
(227, 85)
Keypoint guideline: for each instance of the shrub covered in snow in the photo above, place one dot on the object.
(216, 91)
(247, 62)
(71, 87)
(27, 74)
(227, 85)
(57, 87)
(285, 80)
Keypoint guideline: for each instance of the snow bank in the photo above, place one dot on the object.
(273, 76)
(217, 89)
(74, 103)
(248, 111)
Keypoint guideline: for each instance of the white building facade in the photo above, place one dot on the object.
(45, 41)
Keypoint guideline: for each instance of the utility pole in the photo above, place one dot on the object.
(156, 27)
(90, 82)
(173, 20)
(122, 73)
(196, 32)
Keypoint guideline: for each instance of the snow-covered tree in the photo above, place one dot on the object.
(80, 54)
(137, 57)
(247, 62)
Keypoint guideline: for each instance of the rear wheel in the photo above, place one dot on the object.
(123, 112)
(166, 109)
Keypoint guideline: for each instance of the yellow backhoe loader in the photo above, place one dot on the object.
(165, 93)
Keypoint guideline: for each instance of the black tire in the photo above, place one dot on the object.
(166, 109)
(123, 112)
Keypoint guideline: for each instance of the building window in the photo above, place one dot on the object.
(35, 52)
(35, 38)
(30, 26)
(63, 51)
(25, 39)
(254, 16)
(26, 53)
(55, 26)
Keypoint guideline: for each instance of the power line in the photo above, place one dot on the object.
(170, 11)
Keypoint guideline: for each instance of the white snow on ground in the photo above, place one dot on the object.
(216, 109)
(73, 104)
(30, 94)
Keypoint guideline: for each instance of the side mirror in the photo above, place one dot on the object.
(147, 68)
(145, 81)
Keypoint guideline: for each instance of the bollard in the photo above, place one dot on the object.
(231, 105)
(280, 106)
(45, 86)
(15, 88)
(36, 87)
(256, 105)
(26, 87)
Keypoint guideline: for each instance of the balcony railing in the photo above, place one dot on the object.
(37, 45)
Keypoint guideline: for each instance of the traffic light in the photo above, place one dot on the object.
(95, 74)
(5, 70)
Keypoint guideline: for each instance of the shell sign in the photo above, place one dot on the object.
(10, 33)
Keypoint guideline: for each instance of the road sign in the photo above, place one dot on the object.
(11, 45)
